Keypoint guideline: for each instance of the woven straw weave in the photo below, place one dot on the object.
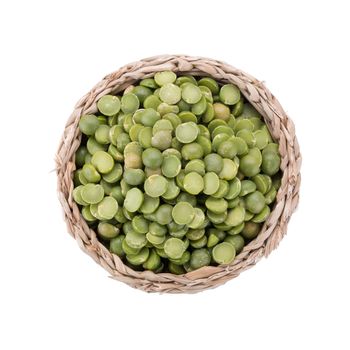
(280, 126)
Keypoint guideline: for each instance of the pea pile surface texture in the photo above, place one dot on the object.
(176, 173)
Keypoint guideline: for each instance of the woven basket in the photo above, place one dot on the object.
(280, 126)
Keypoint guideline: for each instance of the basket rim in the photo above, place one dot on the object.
(273, 230)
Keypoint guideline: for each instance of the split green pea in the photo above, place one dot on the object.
(176, 173)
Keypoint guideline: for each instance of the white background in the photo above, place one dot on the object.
(52, 295)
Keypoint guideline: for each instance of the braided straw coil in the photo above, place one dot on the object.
(280, 126)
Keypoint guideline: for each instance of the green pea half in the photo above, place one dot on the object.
(224, 253)
(108, 105)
